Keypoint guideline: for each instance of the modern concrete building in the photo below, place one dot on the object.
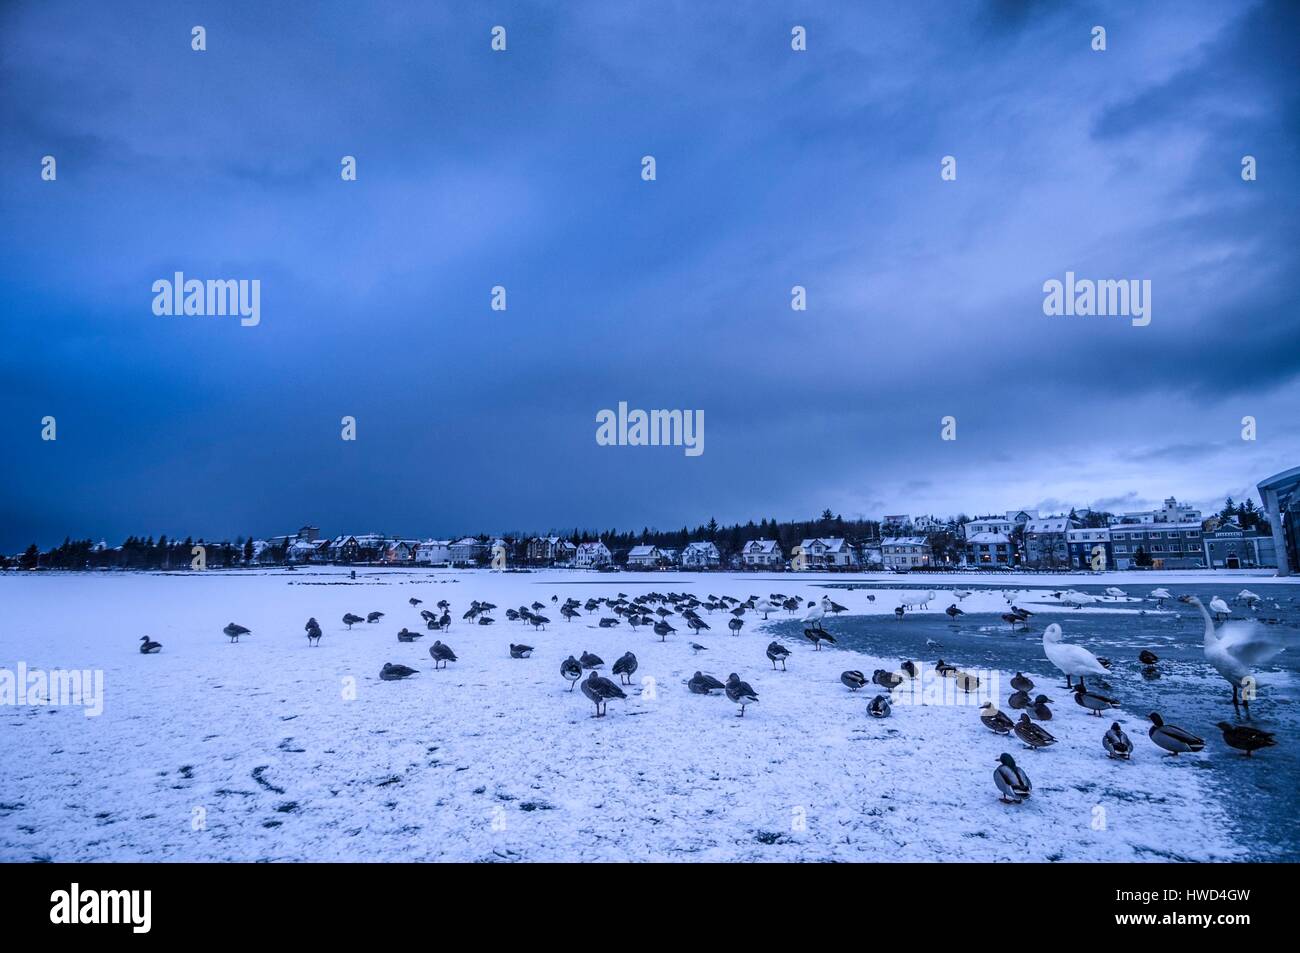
(1280, 495)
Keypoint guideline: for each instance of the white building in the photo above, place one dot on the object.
(988, 524)
(433, 552)
(592, 556)
(829, 553)
(761, 554)
(703, 555)
(1171, 512)
(928, 524)
(643, 557)
(905, 552)
(467, 551)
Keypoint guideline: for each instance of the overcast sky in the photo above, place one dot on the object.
(522, 169)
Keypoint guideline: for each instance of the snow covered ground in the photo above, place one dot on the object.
(259, 751)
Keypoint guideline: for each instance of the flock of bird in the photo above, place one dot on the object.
(1233, 648)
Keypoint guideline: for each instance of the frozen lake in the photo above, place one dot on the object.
(271, 750)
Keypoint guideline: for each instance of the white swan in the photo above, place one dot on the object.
(765, 606)
(1115, 591)
(1248, 597)
(1070, 659)
(1219, 608)
(912, 602)
(961, 593)
(1234, 649)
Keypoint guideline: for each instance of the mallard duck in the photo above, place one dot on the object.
(1011, 781)
(879, 707)
(995, 719)
(740, 692)
(148, 646)
(776, 652)
(1173, 739)
(1019, 700)
(909, 669)
(1022, 683)
(1092, 701)
(1116, 743)
(1244, 738)
(1038, 709)
(1032, 735)
(885, 679)
(853, 679)
(944, 669)
(1147, 657)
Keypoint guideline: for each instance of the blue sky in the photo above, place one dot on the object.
(522, 169)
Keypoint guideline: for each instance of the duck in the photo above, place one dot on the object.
(608, 622)
(350, 620)
(953, 611)
(625, 667)
(1147, 657)
(374, 616)
(776, 652)
(590, 660)
(313, 633)
(1022, 683)
(995, 719)
(1019, 700)
(600, 690)
(886, 680)
(1173, 739)
(391, 672)
(1116, 743)
(944, 669)
(1235, 649)
(520, 651)
(1244, 738)
(817, 637)
(148, 646)
(234, 631)
(571, 671)
(740, 693)
(1072, 660)
(879, 707)
(1038, 710)
(898, 613)
(1032, 735)
(909, 669)
(441, 654)
(414, 601)
(1011, 780)
(701, 684)
(853, 679)
(1092, 701)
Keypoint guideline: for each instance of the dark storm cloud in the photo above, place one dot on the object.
(521, 169)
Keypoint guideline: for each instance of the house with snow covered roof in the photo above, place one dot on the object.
(433, 552)
(762, 554)
(643, 557)
(828, 553)
(989, 550)
(592, 556)
(701, 555)
(1047, 542)
(905, 552)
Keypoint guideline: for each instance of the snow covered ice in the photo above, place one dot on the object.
(212, 751)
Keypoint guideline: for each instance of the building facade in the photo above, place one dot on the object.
(1229, 546)
(762, 554)
(1089, 543)
(905, 552)
(1047, 542)
(702, 555)
(1158, 545)
(989, 550)
(592, 556)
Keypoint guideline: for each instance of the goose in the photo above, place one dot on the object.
(1012, 782)
(608, 622)
(571, 671)
(701, 684)
(1013, 620)
(414, 601)
(374, 616)
(590, 660)
(1234, 649)
(391, 672)
(520, 651)
(441, 654)
(350, 620)
(699, 625)
(625, 667)
(1022, 683)
(879, 707)
(817, 637)
(444, 621)
(1070, 659)
(1038, 709)
(1092, 701)
(888, 680)
(235, 631)
(1244, 738)
(835, 608)
(953, 612)
(313, 633)
(734, 625)
(776, 652)
(1116, 743)
(407, 636)
(486, 620)
(1220, 609)
(148, 646)
(1173, 739)
(853, 679)
(538, 621)
(995, 719)
(1147, 657)
(662, 629)
(1032, 735)
(600, 690)
(740, 693)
